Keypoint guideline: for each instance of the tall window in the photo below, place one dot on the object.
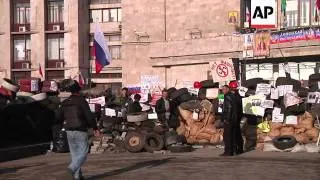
(55, 47)
(115, 52)
(106, 15)
(304, 12)
(21, 50)
(21, 13)
(292, 13)
(55, 11)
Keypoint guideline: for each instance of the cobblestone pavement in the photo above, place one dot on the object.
(197, 165)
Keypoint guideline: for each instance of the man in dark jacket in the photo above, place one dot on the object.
(163, 107)
(231, 117)
(77, 119)
(135, 107)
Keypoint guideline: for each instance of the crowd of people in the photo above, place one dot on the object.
(74, 115)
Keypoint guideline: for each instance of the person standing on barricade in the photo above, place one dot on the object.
(163, 107)
(77, 119)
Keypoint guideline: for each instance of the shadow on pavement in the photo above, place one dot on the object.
(153, 163)
(15, 169)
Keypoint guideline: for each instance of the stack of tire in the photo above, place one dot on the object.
(251, 84)
(181, 95)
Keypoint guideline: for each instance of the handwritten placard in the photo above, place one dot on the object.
(267, 104)
(212, 93)
(274, 93)
(243, 91)
(263, 89)
(277, 118)
(110, 112)
(291, 120)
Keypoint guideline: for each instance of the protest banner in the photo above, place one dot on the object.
(312, 33)
(274, 93)
(222, 70)
(99, 100)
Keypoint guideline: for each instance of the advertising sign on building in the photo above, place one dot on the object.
(222, 70)
(262, 44)
(263, 14)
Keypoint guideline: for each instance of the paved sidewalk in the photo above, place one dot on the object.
(200, 164)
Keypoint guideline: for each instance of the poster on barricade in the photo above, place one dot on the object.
(313, 97)
(292, 120)
(253, 105)
(243, 91)
(277, 117)
(274, 93)
(99, 100)
(263, 89)
(268, 104)
(222, 70)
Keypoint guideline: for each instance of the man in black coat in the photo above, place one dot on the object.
(231, 116)
(135, 107)
(163, 107)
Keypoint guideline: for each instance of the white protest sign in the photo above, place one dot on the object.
(313, 97)
(280, 90)
(291, 99)
(263, 13)
(263, 89)
(267, 104)
(194, 91)
(100, 100)
(291, 120)
(318, 84)
(284, 89)
(252, 105)
(222, 70)
(277, 118)
(274, 93)
(149, 81)
(110, 112)
(242, 91)
(53, 86)
(212, 93)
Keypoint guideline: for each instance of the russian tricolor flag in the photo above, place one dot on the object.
(100, 50)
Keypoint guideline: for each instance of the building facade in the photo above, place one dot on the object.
(174, 40)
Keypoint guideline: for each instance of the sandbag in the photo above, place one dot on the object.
(312, 133)
(305, 121)
(274, 133)
(300, 130)
(301, 138)
(287, 131)
(261, 137)
(275, 126)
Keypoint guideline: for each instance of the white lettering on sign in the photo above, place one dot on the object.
(263, 14)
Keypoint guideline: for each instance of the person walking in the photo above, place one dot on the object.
(77, 119)
(163, 107)
(230, 118)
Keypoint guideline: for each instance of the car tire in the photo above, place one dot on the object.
(209, 84)
(180, 148)
(177, 93)
(171, 138)
(134, 141)
(252, 83)
(153, 142)
(288, 81)
(284, 142)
